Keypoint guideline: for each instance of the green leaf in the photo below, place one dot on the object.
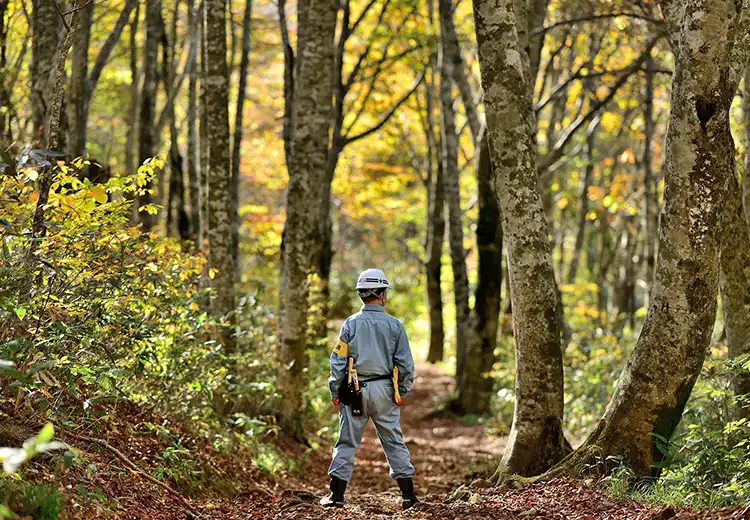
(20, 312)
(46, 434)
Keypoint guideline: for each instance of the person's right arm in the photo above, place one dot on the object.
(338, 361)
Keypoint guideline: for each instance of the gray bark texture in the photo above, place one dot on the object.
(476, 383)
(130, 152)
(46, 26)
(657, 381)
(651, 181)
(735, 284)
(449, 140)
(311, 118)
(536, 440)
(220, 220)
(146, 120)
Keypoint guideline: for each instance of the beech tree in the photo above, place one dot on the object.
(307, 129)
(536, 439)
(655, 385)
(46, 26)
(221, 259)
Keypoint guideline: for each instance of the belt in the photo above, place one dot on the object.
(363, 382)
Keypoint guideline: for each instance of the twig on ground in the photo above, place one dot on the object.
(132, 466)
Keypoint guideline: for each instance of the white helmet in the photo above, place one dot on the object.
(372, 279)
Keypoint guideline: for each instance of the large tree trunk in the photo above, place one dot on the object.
(449, 140)
(46, 26)
(536, 439)
(146, 121)
(655, 385)
(220, 251)
(735, 285)
(237, 137)
(311, 118)
(475, 385)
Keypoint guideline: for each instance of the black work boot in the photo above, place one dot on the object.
(336, 497)
(408, 498)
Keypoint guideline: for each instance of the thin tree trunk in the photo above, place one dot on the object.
(746, 119)
(651, 181)
(77, 99)
(475, 385)
(735, 285)
(654, 387)
(237, 137)
(435, 228)
(46, 26)
(449, 140)
(193, 151)
(220, 251)
(583, 208)
(39, 227)
(130, 153)
(203, 137)
(5, 115)
(146, 121)
(311, 116)
(536, 439)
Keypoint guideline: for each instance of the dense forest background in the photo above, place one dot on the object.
(189, 189)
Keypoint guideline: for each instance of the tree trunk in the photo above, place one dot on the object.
(77, 99)
(735, 285)
(193, 154)
(46, 26)
(746, 119)
(449, 140)
(536, 439)
(651, 181)
(203, 137)
(655, 385)
(146, 121)
(583, 208)
(311, 118)
(5, 115)
(475, 385)
(220, 251)
(130, 153)
(237, 138)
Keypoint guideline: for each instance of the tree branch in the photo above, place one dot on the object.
(593, 18)
(557, 150)
(390, 113)
(107, 47)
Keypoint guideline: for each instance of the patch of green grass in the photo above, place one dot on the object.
(39, 502)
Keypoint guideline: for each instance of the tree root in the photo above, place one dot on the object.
(136, 469)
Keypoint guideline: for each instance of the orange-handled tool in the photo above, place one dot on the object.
(396, 395)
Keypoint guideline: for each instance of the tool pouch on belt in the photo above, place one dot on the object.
(349, 392)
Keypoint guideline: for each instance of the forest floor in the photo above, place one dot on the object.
(446, 453)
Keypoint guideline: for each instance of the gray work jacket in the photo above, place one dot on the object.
(377, 341)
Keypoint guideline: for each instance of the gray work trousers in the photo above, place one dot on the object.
(377, 404)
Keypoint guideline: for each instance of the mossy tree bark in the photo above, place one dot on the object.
(309, 133)
(657, 381)
(220, 207)
(536, 440)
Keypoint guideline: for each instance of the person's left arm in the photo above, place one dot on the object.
(405, 363)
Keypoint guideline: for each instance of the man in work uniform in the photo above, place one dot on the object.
(377, 343)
